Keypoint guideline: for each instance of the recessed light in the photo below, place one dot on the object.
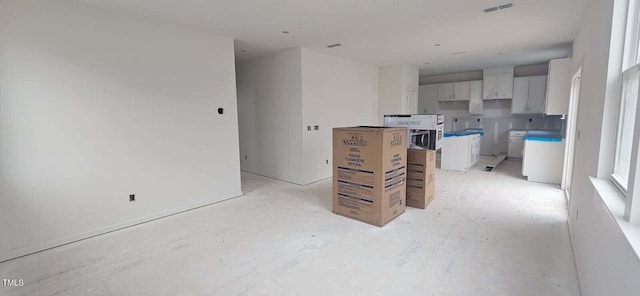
(244, 50)
(334, 45)
(285, 32)
(495, 8)
(458, 52)
(427, 63)
(437, 44)
(499, 53)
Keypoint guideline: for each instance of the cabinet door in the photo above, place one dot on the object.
(475, 97)
(559, 88)
(445, 92)
(516, 145)
(489, 87)
(431, 91)
(537, 93)
(461, 91)
(520, 95)
(505, 85)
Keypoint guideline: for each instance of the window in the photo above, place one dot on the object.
(629, 98)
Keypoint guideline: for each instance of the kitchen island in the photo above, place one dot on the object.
(460, 149)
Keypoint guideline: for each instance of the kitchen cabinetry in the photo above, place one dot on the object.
(428, 99)
(475, 97)
(497, 83)
(455, 91)
(460, 150)
(445, 92)
(559, 87)
(543, 159)
(516, 143)
(529, 94)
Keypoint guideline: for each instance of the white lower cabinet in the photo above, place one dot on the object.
(542, 161)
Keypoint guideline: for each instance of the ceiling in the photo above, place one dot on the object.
(383, 32)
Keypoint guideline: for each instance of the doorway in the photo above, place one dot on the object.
(410, 103)
(571, 133)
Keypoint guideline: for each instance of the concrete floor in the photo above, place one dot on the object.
(486, 233)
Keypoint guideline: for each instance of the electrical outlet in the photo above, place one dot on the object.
(326, 161)
(245, 157)
(132, 197)
(316, 127)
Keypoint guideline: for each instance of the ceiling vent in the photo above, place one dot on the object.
(496, 8)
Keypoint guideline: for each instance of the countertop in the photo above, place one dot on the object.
(543, 136)
(465, 132)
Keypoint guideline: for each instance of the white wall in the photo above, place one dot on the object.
(270, 113)
(282, 94)
(606, 262)
(95, 106)
(390, 84)
(336, 92)
(394, 82)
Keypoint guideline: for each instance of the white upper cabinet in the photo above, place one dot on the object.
(529, 94)
(537, 93)
(445, 92)
(497, 83)
(461, 91)
(520, 95)
(428, 99)
(475, 97)
(558, 90)
(454, 91)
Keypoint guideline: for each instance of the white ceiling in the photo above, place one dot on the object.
(383, 32)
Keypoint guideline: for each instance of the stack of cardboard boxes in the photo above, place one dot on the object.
(375, 176)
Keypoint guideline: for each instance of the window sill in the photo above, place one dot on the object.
(614, 202)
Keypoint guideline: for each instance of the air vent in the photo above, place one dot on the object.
(334, 45)
(495, 8)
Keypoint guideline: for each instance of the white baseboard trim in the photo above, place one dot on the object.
(85, 235)
(573, 248)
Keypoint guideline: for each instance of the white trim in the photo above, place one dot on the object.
(573, 251)
(632, 33)
(632, 209)
(570, 133)
(615, 206)
(81, 236)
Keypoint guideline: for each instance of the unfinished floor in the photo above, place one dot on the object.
(486, 233)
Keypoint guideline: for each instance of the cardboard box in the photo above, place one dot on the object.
(423, 121)
(421, 172)
(369, 173)
(423, 131)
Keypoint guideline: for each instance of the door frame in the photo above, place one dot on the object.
(571, 132)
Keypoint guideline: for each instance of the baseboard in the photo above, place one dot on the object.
(100, 231)
(573, 251)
